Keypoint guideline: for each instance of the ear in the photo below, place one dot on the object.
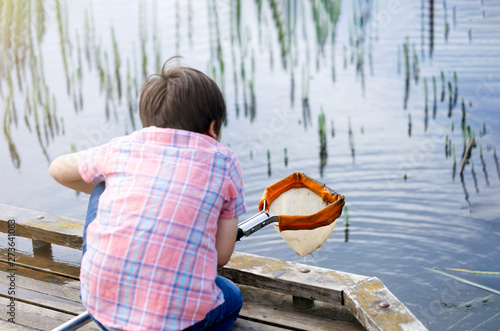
(211, 131)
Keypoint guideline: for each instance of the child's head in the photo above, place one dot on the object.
(183, 98)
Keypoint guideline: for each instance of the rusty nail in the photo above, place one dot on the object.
(304, 270)
(384, 304)
(40, 217)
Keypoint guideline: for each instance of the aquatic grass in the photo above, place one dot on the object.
(407, 71)
(306, 111)
(465, 281)
(450, 107)
(474, 177)
(474, 271)
(143, 37)
(455, 81)
(446, 25)
(116, 56)
(409, 125)
(323, 155)
(426, 110)
(469, 315)
(481, 325)
(62, 42)
(346, 220)
(416, 65)
(269, 163)
(332, 130)
(446, 145)
(496, 161)
(483, 164)
(454, 162)
(351, 140)
(434, 89)
(442, 86)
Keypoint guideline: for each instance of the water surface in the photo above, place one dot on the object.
(394, 150)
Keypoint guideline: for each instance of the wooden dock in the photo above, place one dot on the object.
(47, 289)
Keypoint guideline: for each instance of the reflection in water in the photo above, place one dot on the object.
(42, 249)
(474, 177)
(426, 111)
(434, 106)
(431, 27)
(484, 165)
(346, 219)
(351, 140)
(465, 189)
(496, 162)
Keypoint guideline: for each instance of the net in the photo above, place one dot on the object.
(306, 210)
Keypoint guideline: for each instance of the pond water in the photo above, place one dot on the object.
(378, 99)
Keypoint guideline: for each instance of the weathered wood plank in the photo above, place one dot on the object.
(246, 325)
(46, 284)
(41, 226)
(47, 263)
(40, 318)
(4, 325)
(363, 301)
(286, 277)
(271, 308)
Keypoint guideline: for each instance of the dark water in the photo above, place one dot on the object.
(394, 150)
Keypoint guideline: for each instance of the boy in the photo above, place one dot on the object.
(168, 216)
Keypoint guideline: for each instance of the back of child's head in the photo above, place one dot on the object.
(183, 98)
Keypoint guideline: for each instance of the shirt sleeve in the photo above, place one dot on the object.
(92, 163)
(234, 204)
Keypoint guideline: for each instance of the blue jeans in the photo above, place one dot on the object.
(220, 318)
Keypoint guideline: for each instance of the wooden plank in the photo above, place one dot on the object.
(4, 325)
(363, 301)
(41, 226)
(286, 277)
(246, 325)
(39, 318)
(275, 309)
(45, 263)
(48, 285)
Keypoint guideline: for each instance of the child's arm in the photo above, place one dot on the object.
(64, 170)
(225, 240)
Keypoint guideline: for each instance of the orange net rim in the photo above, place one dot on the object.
(324, 217)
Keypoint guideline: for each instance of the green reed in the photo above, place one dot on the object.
(426, 93)
(269, 163)
(416, 65)
(323, 155)
(346, 220)
(409, 125)
(116, 56)
(407, 71)
(496, 161)
(454, 162)
(483, 164)
(351, 139)
(455, 80)
(450, 108)
(332, 130)
(442, 86)
(62, 39)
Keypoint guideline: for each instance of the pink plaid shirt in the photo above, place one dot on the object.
(151, 261)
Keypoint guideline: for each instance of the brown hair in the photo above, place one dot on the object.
(183, 98)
